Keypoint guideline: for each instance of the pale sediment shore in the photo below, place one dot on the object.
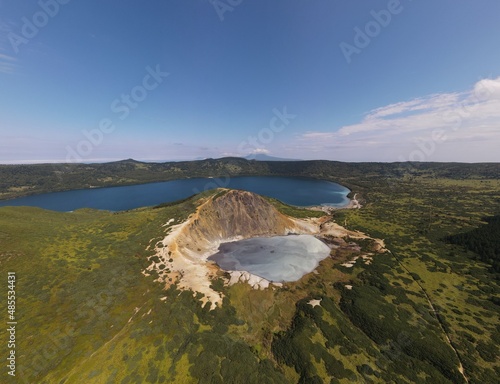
(353, 204)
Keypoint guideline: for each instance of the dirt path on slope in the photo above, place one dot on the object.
(436, 315)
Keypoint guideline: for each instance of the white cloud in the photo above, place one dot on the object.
(445, 122)
(255, 151)
(488, 89)
(259, 151)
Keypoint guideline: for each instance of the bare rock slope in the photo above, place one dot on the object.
(235, 215)
(227, 215)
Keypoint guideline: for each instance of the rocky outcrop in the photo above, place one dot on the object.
(255, 282)
(227, 215)
(232, 215)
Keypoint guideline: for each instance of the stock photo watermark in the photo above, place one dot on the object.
(427, 147)
(372, 29)
(277, 124)
(11, 323)
(223, 6)
(122, 108)
(31, 26)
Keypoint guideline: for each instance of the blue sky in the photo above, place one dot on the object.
(331, 79)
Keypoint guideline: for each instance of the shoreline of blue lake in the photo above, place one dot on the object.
(298, 191)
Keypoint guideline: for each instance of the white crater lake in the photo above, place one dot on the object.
(279, 258)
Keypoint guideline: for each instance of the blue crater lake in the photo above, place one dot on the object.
(297, 191)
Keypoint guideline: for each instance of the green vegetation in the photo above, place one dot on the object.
(299, 213)
(413, 216)
(484, 242)
(87, 314)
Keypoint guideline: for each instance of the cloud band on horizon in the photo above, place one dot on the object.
(452, 120)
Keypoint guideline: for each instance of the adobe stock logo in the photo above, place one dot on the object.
(223, 6)
(121, 106)
(32, 26)
(278, 123)
(453, 119)
(373, 28)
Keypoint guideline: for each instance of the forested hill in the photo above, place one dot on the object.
(483, 241)
(20, 180)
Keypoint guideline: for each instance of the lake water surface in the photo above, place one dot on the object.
(291, 190)
(279, 258)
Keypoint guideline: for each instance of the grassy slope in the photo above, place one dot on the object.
(87, 314)
(79, 283)
(413, 219)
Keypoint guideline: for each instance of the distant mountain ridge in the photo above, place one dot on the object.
(264, 157)
(22, 180)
